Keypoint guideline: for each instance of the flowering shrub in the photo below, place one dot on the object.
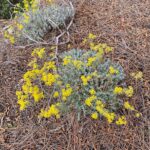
(34, 20)
(83, 81)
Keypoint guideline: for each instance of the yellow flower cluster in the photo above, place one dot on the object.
(97, 47)
(91, 36)
(121, 120)
(33, 90)
(40, 52)
(31, 5)
(128, 106)
(67, 60)
(43, 75)
(85, 79)
(112, 70)
(49, 78)
(94, 115)
(77, 63)
(118, 90)
(56, 94)
(137, 76)
(52, 111)
(22, 100)
(37, 94)
(66, 92)
(127, 91)
(91, 60)
(33, 64)
(26, 18)
(89, 100)
(34, 5)
(19, 26)
(104, 112)
(8, 35)
(92, 92)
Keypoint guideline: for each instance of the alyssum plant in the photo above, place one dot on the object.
(83, 81)
(33, 20)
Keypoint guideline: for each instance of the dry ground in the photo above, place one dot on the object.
(123, 24)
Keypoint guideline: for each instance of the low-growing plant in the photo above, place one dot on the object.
(84, 81)
(33, 20)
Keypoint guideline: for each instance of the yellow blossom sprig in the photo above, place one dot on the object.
(128, 106)
(112, 70)
(137, 75)
(66, 92)
(127, 91)
(121, 120)
(53, 110)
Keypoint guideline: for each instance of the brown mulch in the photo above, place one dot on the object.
(125, 25)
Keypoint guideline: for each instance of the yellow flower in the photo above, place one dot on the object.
(112, 70)
(138, 75)
(121, 121)
(33, 64)
(92, 45)
(34, 5)
(128, 106)
(67, 60)
(77, 63)
(92, 92)
(49, 65)
(129, 91)
(118, 90)
(108, 49)
(26, 18)
(91, 36)
(52, 111)
(23, 104)
(12, 39)
(110, 116)
(19, 94)
(37, 94)
(26, 5)
(100, 109)
(100, 103)
(40, 52)
(26, 87)
(48, 78)
(85, 79)
(137, 115)
(84, 41)
(19, 26)
(91, 60)
(66, 93)
(89, 100)
(94, 115)
(56, 94)
(29, 75)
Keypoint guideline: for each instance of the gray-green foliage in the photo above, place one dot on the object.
(43, 20)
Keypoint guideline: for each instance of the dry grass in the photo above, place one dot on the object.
(124, 25)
